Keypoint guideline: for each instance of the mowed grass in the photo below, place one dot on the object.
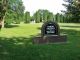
(16, 43)
(20, 30)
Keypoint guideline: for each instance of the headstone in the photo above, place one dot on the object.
(50, 28)
(50, 33)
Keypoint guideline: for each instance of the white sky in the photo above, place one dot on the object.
(54, 6)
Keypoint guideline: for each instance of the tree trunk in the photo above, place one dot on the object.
(1, 22)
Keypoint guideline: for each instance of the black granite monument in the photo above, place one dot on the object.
(50, 33)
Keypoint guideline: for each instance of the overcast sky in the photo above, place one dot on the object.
(51, 5)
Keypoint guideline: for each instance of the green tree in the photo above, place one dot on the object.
(50, 16)
(27, 17)
(61, 18)
(41, 15)
(73, 10)
(15, 11)
(57, 18)
(45, 15)
(37, 17)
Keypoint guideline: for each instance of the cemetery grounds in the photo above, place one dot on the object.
(16, 43)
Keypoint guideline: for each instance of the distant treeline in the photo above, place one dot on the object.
(44, 15)
(12, 11)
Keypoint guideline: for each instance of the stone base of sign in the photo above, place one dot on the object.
(50, 39)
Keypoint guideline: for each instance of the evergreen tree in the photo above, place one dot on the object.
(37, 17)
(27, 17)
(45, 15)
(50, 16)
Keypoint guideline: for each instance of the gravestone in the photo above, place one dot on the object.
(50, 33)
(50, 28)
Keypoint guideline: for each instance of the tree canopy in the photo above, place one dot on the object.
(73, 10)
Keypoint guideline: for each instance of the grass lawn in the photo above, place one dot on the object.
(16, 43)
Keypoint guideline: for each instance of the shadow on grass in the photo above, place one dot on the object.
(71, 26)
(39, 28)
(73, 36)
(13, 46)
(21, 48)
(11, 26)
(70, 32)
(13, 41)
